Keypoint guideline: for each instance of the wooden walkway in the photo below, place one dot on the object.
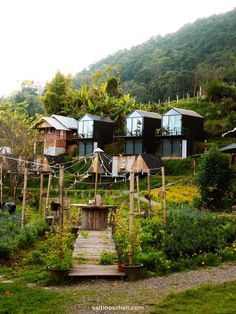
(89, 246)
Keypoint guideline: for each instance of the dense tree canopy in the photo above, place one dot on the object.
(176, 64)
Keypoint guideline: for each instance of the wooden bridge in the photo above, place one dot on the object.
(89, 246)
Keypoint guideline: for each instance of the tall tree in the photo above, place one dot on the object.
(17, 137)
(55, 96)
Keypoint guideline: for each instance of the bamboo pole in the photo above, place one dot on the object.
(96, 177)
(47, 197)
(41, 196)
(164, 193)
(24, 196)
(1, 184)
(149, 194)
(131, 218)
(138, 191)
(61, 195)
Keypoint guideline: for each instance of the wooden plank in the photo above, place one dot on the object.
(86, 270)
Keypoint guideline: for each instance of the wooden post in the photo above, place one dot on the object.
(96, 177)
(47, 197)
(1, 184)
(131, 218)
(149, 194)
(61, 195)
(41, 197)
(164, 193)
(24, 196)
(138, 191)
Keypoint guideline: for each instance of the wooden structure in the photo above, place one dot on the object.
(90, 247)
(94, 131)
(180, 131)
(94, 217)
(58, 134)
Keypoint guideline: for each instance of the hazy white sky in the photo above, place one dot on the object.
(39, 37)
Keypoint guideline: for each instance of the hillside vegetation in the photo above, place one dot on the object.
(176, 64)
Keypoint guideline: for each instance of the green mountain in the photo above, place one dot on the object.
(177, 63)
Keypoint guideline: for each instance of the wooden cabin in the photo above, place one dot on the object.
(140, 131)
(58, 134)
(180, 131)
(93, 132)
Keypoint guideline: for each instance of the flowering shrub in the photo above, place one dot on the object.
(179, 194)
(13, 237)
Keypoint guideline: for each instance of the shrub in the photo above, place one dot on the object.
(179, 167)
(107, 258)
(213, 178)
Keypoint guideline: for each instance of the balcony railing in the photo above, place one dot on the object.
(172, 132)
(128, 133)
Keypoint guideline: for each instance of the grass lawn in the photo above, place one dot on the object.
(210, 299)
(17, 298)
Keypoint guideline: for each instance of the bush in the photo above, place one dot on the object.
(13, 237)
(179, 167)
(213, 179)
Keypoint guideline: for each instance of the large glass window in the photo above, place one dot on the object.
(172, 123)
(85, 148)
(134, 126)
(133, 147)
(172, 147)
(86, 128)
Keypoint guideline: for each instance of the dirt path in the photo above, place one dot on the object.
(144, 293)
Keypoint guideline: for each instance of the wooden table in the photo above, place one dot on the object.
(94, 217)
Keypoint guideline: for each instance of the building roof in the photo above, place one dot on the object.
(231, 133)
(54, 123)
(187, 112)
(148, 114)
(153, 163)
(231, 148)
(97, 118)
(68, 122)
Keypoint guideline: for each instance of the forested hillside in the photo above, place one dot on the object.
(175, 64)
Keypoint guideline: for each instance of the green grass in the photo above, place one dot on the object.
(18, 299)
(210, 299)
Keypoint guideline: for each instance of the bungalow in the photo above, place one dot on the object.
(140, 131)
(93, 132)
(180, 130)
(57, 134)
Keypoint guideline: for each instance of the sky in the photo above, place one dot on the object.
(40, 37)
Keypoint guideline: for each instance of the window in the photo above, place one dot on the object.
(85, 148)
(172, 123)
(172, 148)
(133, 147)
(50, 131)
(86, 128)
(134, 126)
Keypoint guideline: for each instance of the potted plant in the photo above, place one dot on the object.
(120, 237)
(59, 248)
(127, 245)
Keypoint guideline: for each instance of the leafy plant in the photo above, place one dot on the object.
(59, 247)
(107, 258)
(213, 178)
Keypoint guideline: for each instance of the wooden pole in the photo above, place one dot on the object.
(164, 194)
(61, 195)
(1, 184)
(149, 194)
(47, 197)
(24, 196)
(96, 177)
(41, 196)
(138, 191)
(131, 218)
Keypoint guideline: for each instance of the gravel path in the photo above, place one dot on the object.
(94, 295)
